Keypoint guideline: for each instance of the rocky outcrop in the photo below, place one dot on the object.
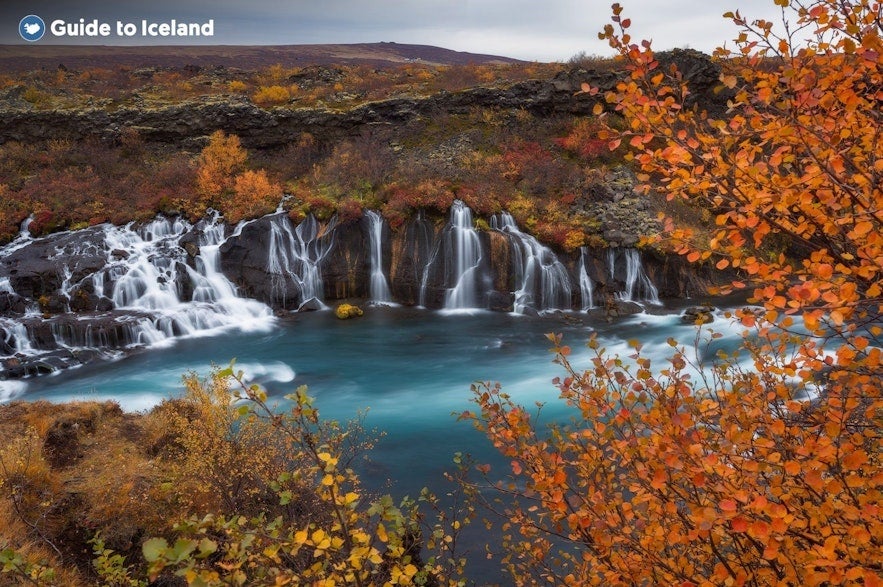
(192, 121)
(39, 269)
(702, 76)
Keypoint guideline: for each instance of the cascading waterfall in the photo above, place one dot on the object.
(458, 250)
(14, 338)
(541, 279)
(379, 285)
(295, 256)
(586, 288)
(24, 236)
(154, 294)
(146, 280)
(638, 286)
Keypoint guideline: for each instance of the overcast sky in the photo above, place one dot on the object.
(536, 30)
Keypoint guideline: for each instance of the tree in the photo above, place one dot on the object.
(223, 182)
(219, 163)
(254, 194)
(765, 468)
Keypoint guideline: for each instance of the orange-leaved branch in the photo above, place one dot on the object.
(763, 468)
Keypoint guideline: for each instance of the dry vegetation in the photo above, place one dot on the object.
(543, 170)
(73, 472)
(333, 86)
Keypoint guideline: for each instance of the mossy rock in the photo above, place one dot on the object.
(345, 311)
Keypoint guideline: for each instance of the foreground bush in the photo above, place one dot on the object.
(757, 469)
(215, 488)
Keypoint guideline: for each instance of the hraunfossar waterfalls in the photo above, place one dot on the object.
(73, 297)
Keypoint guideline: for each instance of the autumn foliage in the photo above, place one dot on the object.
(761, 467)
(223, 182)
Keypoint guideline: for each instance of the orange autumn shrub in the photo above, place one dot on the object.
(764, 467)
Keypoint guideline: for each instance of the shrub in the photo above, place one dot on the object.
(236, 86)
(271, 95)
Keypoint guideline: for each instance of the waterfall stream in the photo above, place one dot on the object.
(586, 289)
(378, 285)
(295, 256)
(541, 280)
(457, 258)
(638, 286)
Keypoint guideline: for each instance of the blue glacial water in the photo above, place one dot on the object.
(410, 368)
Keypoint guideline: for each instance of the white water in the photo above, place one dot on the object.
(378, 285)
(458, 250)
(586, 288)
(638, 286)
(15, 335)
(151, 280)
(465, 250)
(542, 280)
(23, 239)
(295, 256)
(146, 276)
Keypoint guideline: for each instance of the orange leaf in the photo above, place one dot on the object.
(739, 524)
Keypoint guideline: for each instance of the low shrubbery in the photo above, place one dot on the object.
(214, 487)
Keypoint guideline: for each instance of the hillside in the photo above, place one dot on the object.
(22, 58)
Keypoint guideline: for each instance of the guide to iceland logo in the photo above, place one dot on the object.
(32, 28)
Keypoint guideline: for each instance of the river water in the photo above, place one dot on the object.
(411, 369)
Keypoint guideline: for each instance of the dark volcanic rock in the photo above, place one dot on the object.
(190, 123)
(245, 259)
(702, 76)
(38, 268)
(411, 247)
(11, 303)
(698, 314)
(346, 270)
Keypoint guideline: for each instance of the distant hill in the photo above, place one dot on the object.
(16, 58)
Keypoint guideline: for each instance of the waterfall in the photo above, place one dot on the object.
(542, 282)
(638, 286)
(145, 278)
(295, 258)
(457, 260)
(14, 338)
(586, 289)
(179, 300)
(23, 239)
(379, 286)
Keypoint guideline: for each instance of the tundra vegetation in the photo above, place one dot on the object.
(762, 467)
(492, 158)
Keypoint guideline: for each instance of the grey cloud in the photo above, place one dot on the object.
(528, 29)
